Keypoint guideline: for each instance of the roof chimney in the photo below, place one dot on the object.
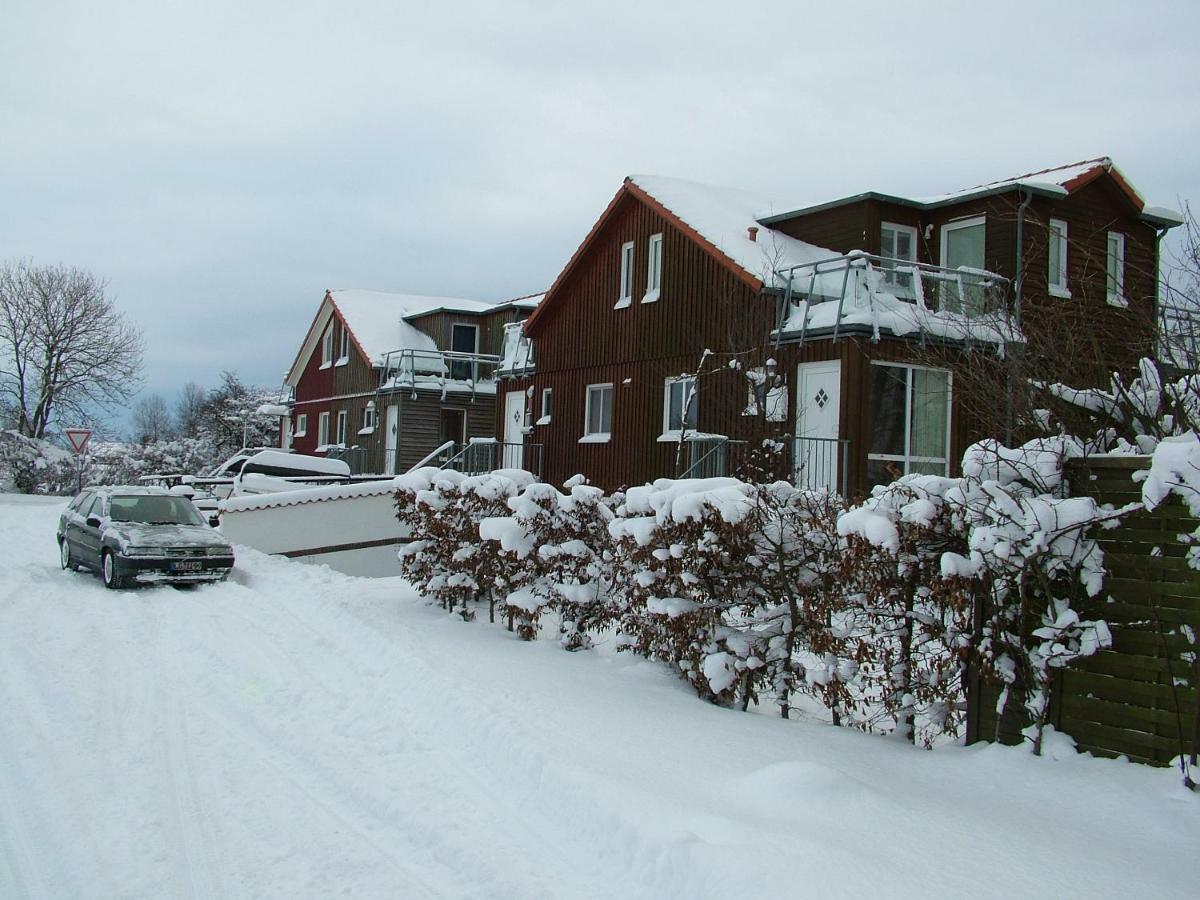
(752, 232)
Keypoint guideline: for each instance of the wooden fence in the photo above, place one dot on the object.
(1139, 698)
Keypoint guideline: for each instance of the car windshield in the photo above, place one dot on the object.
(154, 510)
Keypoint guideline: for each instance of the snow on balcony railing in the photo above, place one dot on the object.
(517, 356)
(448, 371)
(900, 297)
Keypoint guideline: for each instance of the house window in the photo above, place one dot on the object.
(597, 416)
(679, 406)
(464, 339)
(547, 403)
(344, 346)
(626, 297)
(327, 347)
(897, 245)
(963, 248)
(368, 418)
(301, 425)
(1056, 237)
(654, 269)
(341, 428)
(323, 430)
(910, 422)
(1116, 269)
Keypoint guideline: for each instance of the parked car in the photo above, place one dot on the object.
(141, 535)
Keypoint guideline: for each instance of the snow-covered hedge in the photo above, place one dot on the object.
(754, 591)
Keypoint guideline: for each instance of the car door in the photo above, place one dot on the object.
(71, 518)
(89, 534)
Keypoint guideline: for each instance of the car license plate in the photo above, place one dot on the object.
(191, 565)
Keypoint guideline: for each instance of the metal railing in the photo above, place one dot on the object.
(481, 455)
(355, 457)
(710, 457)
(821, 463)
(863, 281)
(442, 370)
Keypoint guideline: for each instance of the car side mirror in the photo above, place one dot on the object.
(214, 521)
(93, 521)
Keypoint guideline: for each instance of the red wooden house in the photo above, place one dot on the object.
(693, 320)
(383, 380)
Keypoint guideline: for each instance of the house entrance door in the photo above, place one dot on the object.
(816, 451)
(391, 439)
(514, 429)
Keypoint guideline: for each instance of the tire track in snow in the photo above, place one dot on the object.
(469, 780)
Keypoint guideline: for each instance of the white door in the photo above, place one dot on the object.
(391, 438)
(818, 404)
(514, 429)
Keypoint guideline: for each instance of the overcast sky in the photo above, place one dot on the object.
(222, 164)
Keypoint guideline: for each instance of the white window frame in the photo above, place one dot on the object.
(368, 418)
(668, 432)
(597, 437)
(1115, 261)
(327, 347)
(343, 347)
(546, 407)
(653, 268)
(323, 430)
(890, 276)
(625, 299)
(1056, 233)
(957, 225)
(301, 429)
(908, 459)
(342, 427)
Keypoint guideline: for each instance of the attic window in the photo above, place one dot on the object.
(1056, 237)
(1116, 269)
(344, 347)
(327, 348)
(653, 269)
(626, 297)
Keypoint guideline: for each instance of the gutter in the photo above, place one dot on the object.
(1019, 283)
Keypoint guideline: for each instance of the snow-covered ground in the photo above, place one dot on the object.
(299, 733)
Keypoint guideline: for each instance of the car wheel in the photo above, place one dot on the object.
(64, 555)
(112, 580)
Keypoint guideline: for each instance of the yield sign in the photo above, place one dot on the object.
(78, 437)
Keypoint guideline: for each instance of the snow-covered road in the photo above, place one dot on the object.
(299, 733)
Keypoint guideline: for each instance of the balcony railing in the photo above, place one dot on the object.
(517, 356)
(444, 370)
(809, 463)
(878, 292)
(481, 455)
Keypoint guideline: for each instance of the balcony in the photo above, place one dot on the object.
(517, 355)
(447, 371)
(861, 293)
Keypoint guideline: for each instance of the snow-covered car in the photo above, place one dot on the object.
(141, 535)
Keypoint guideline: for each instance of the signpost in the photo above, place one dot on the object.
(79, 440)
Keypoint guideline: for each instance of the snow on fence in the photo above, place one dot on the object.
(349, 527)
(1137, 698)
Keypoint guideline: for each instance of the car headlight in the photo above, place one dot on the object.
(220, 551)
(145, 551)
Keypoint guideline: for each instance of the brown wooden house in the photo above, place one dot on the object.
(383, 380)
(693, 323)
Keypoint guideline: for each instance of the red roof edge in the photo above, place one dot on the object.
(628, 187)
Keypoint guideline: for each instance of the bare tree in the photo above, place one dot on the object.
(189, 410)
(152, 420)
(64, 347)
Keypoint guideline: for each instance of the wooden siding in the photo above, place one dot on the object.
(420, 423)
(440, 326)
(841, 228)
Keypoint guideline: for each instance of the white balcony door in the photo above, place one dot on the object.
(818, 417)
(391, 438)
(514, 429)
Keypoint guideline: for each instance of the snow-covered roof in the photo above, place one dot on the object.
(377, 320)
(723, 217)
(1057, 181)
